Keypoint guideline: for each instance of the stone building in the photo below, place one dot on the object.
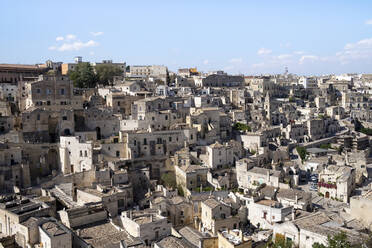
(219, 156)
(10, 73)
(51, 93)
(177, 209)
(74, 155)
(15, 209)
(121, 103)
(158, 143)
(14, 171)
(115, 198)
(233, 239)
(55, 235)
(337, 182)
(146, 225)
(298, 199)
(47, 126)
(304, 231)
(103, 121)
(216, 215)
(154, 71)
(252, 177)
(222, 81)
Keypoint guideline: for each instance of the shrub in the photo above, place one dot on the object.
(301, 152)
(242, 127)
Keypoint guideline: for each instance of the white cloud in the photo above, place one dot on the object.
(263, 51)
(96, 33)
(91, 53)
(362, 44)
(60, 38)
(369, 22)
(74, 46)
(284, 56)
(206, 62)
(70, 37)
(236, 60)
(356, 51)
(308, 58)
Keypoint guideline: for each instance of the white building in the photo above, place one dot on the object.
(149, 226)
(75, 156)
(55, 235)
(219, 155)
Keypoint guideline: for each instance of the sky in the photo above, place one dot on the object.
(237, 36)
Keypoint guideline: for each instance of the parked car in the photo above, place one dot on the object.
(314, 179)
(313, 188)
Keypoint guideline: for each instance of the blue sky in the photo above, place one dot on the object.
(251, 37)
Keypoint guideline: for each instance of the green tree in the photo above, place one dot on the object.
(367, 131)
(326, 146)
(357, 125)
(169, 180)
(107, 72)
(180, 190)
(301, 152)
(83, 76)
(337, 241)
(280, 242)
(242, 127)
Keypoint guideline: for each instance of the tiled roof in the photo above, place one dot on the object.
(212, 203)
(191, 235)
(173, 242)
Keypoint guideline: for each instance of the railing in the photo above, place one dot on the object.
(327, 185)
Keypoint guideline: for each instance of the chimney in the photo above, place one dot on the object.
(151, 217)
(267, 176)
(296, 199)
(293, 214)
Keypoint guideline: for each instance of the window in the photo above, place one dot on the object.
(38, 117)
(81, 153)
(170, 139)
(64, 118)
(117, 154)
(38, 91)
(86, 154)
(62, 91)
(48, 91)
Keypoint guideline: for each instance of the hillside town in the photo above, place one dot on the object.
(112, 155)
